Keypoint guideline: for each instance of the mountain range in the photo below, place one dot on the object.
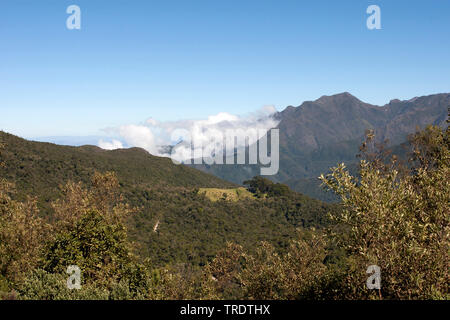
(319, 134)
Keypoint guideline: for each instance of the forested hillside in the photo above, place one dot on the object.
(190, 227)
(40, 168)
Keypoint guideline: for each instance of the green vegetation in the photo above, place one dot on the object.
(262, 187)
(133, 240)
(394, 216)
(398, 218)
(171, 218)
(193, 225)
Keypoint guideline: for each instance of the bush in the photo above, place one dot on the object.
(397, 219)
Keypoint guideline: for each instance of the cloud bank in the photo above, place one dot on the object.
(155, 136)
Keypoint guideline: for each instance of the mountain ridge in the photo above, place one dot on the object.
(27, 160)
(316, 135)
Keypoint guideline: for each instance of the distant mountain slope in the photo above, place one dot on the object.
(318, 134)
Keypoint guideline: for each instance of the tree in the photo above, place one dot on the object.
(22, 234)
(221, 275)
(264, 187)
(293, 275)
(103, 197)
(90, 232)
(399, 222)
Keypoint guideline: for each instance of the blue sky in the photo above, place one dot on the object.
(188, 59)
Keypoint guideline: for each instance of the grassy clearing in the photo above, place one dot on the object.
(236, 194)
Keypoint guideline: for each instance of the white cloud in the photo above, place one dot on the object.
(114, 144)
(153, 134)
(139, 136)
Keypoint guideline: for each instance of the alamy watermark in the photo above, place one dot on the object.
(374, 280)
(74, 281)
(74, 20)
(231, 146)
(374, 20)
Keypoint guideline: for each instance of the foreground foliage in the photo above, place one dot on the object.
(398, 219)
